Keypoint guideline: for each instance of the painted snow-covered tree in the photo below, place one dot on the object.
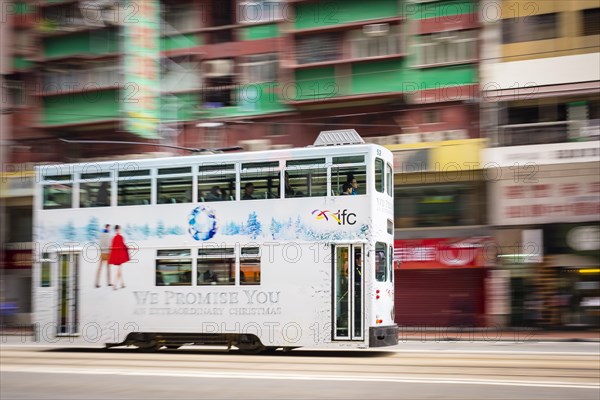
(92, 229)
(275, 228)
(298, 228)
(145, 231)
(253, 228)
(69, 232)
(160, 229)
(175, 230)
(231, 228)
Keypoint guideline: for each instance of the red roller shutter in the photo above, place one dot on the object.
(441, 298)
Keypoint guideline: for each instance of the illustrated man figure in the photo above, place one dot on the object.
(105, 244)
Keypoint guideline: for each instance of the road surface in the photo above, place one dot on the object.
(407, 371)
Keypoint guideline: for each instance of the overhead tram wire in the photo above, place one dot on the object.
(190, 149)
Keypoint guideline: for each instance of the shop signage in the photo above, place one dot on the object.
(539, 154)
(17, 259)
(571, 197)
(581, 239)
(142, 56)
(439, 253)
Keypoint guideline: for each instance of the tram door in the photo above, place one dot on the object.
(68, 293)
(348, 284)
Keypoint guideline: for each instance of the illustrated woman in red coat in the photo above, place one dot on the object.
(118, 256)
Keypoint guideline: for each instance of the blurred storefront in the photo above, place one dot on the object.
(441, 282)
(16, 252)
(546, 207)
(441, 234)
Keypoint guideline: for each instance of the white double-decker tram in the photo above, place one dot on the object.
(257, 250)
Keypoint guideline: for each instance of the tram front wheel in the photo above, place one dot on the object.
(250, 344)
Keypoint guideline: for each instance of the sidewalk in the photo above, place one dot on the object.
(496, 334)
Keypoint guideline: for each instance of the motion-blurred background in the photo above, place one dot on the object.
(491, 107)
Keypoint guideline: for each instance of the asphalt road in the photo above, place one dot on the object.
(407, 371)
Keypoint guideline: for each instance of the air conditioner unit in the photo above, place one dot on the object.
(408, 138)
(376, 29)
(281, 146)
(255, 144)
(457, 134)
(386, 140)
(372, 139)
(215, 68)
(433, 136)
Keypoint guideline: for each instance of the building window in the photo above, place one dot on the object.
(90, 76)
(181, 17)
(375, 40)
(439, 205)
(180, 74)
(260, 68)
(13, 93)
(23, 42)
(432, 116)
(219, 83)
(446, 47)
(254, 11)
(591, 26)
(534, 27)
(318, 48)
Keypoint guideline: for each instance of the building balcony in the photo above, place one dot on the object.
(548, 132)
(87, 80)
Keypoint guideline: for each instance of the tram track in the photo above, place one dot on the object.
(551, 369)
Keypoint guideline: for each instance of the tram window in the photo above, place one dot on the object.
(259, 184)
(174, 272)
(174, 253)
(381, 265)
(174, 190)
(217, 187)
(348, 160)
(306, 182)
(45, 278)
(341, 175)
(311, 161)
(216, 167)
(94, 194)
(216, 266)
(379, 181)
(172, 171)
(250, 266)
(134, 192)
(94, 177)
(390, 180)
(58, 196)
(134, 173)
(391, 264)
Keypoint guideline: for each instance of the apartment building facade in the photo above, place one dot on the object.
(540, 78)
(273, 74)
